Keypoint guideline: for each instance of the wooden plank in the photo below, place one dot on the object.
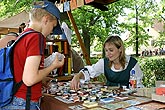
(103, 2)
(79, 38)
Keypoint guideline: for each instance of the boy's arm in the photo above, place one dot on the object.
(32, 74)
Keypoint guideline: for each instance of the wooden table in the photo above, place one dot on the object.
(51, 103)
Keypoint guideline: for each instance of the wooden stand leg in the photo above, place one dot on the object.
(79, 38)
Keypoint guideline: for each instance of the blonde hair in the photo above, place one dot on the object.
(117, 41)
(37, 13)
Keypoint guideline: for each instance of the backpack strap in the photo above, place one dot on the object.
(28, 93)
(4, 58)
(22, 35)
(28, 97)
(17, 86)
(12, 45)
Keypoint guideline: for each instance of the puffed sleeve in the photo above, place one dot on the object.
(93, 70)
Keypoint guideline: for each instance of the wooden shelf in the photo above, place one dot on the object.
(61, 46)
(56, 40)
(61, 78)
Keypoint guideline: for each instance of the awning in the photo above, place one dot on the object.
(12, 24)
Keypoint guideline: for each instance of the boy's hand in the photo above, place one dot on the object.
(59, 60)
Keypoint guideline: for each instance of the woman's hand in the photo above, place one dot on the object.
(75, 83)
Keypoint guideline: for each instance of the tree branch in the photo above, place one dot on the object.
(93, 20)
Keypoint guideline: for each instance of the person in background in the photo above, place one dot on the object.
(8, 39)
(11, 37)
(116, 66)
(77, 61)
(28, 54)
(22, 27)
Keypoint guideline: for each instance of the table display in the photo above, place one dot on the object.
(92, 97)
(88, 92)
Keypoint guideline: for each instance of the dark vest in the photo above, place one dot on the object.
(118, 78)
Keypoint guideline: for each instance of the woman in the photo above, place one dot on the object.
(116, 66)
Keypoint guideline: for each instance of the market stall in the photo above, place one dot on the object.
(96, 97)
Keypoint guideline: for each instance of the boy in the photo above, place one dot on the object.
(29, 54)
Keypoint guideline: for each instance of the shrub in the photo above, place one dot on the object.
(153, 69)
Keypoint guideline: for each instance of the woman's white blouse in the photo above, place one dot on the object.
(98, 68)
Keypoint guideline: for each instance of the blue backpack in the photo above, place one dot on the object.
(8, 87)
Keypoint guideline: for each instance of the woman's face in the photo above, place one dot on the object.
(112, 52)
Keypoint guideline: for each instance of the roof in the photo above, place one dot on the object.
(12, 24)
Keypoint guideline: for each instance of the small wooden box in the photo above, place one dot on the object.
(159, 83)
(159, 98)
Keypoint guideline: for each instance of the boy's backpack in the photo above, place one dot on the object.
(8, 87)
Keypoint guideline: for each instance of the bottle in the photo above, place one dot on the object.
(133, 79)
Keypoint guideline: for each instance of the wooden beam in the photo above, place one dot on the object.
(4, 31)
(79, 38)
(105, 2)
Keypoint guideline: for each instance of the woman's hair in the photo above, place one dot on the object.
(117, 41)
(37, 13)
